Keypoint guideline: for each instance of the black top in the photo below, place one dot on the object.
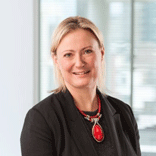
(104, 148)
(54, 127)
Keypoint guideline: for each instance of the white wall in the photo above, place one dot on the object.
(16, 71)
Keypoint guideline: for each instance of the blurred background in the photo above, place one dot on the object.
(129, 29)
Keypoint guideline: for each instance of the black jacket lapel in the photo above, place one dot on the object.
(77, 127)
(113, 120)
(121, 143)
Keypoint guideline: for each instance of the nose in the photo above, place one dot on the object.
(79, 61)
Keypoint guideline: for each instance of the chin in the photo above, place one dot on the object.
(83, 85)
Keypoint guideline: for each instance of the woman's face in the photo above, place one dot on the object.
(79, 59)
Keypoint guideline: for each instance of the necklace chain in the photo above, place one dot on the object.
(98, 115)
(97, 131)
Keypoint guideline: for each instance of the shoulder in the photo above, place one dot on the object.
(118, 104)
(121, 107)
(41, 127)
(47, 105)
(128, 120)
(45, 112)
(124, 110)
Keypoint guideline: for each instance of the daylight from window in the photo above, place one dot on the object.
(130, 53)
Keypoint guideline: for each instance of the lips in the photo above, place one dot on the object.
(81, 73)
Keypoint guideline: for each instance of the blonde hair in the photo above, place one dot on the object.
(65, 27)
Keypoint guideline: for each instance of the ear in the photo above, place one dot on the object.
(102, 52)
(55, 59)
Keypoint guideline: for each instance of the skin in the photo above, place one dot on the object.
(77, 52)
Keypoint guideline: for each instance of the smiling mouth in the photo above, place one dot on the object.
(81, 73)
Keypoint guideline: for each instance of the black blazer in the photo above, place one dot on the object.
(54, 127)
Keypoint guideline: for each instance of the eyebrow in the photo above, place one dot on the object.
(80, 50)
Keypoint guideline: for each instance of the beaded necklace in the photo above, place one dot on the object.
(97, 131)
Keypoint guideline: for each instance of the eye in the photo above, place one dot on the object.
(67, 55)
(88, 51)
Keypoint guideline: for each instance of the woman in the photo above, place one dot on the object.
(78, 119)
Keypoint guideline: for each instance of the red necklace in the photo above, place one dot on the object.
(97, 131)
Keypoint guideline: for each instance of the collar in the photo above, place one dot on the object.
(72, 112)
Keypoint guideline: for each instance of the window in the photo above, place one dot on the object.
(129, 31)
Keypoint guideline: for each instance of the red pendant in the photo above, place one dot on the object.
(97, 132)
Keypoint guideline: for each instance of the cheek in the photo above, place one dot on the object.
(64, 65)
(96, 64)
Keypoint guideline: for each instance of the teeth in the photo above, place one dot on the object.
(81, 73)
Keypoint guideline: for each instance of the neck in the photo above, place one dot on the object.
(85, 99)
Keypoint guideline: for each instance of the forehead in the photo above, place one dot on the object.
(81, 36)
